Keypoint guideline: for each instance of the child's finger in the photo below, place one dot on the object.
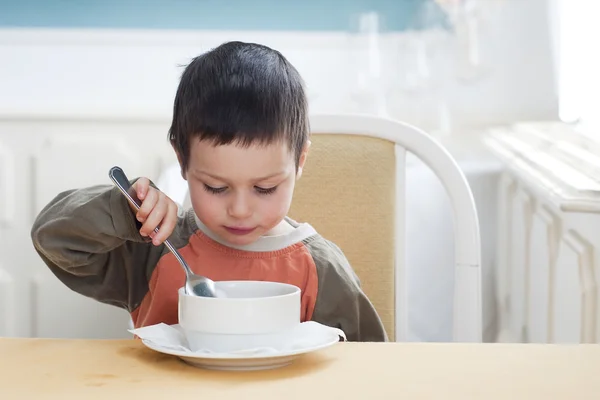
(141, 188)
(167, 225)
(155, 217)
(148, 205)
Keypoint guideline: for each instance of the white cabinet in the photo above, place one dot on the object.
(502, 272)
(542, 253)
(547, 267)
(546, 272)
(39, 159)
(520, 220)
(575, 311)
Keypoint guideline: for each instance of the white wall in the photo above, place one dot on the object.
(134, 73)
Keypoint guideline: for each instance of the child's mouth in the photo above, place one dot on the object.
(239, 230)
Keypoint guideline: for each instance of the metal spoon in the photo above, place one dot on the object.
(195, 284)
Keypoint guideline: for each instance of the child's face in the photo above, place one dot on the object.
(241, 193)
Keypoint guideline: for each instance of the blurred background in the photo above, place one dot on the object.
(86, 84)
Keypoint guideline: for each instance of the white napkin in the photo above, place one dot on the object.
(306, 335)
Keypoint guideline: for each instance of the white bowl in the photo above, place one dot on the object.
(251, 314)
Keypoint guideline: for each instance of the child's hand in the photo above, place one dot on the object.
(157, 210)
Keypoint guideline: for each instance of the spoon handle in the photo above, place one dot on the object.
(119, 178)
(117, 175)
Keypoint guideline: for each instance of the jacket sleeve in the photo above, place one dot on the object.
(341, 303)
(89, 238)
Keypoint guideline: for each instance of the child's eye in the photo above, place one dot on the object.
(213, 190)
(265, 191)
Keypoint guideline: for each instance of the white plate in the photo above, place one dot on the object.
(245, 362)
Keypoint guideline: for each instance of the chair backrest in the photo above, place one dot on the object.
(352, 191)
(347, 192)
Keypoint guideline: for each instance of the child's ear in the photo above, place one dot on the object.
(302, 160)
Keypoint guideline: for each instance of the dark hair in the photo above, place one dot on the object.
(241, 93)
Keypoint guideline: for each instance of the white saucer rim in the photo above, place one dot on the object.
(220, 356)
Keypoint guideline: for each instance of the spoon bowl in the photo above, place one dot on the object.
(195, 285)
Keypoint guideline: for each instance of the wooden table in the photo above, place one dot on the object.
(125, 369)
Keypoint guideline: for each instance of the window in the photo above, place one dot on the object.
(576, 30)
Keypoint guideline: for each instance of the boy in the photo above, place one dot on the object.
(240, 132)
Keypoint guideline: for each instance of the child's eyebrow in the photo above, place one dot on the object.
(219, 178)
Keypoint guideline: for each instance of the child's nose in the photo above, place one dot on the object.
(240, 207)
